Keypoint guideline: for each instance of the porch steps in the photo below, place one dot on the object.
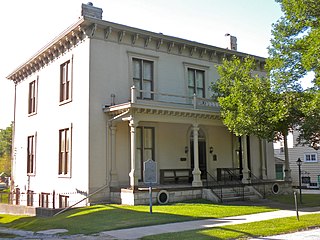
(233, 194)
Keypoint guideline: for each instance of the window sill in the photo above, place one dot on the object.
(65, 102)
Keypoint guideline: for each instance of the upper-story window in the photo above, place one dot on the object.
(31, 153)
(32, 99)
(196, 82)
(65, 81)
(310, 157)
(64, 152)
(143, 77)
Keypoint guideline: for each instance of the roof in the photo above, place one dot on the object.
(86, 26)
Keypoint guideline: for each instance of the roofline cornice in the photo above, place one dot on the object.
(87, 26)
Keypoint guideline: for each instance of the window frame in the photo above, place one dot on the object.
(31, 154)
(310, 156)
(145, 58)
(66, 81)
(65, 159)
(196, 67)
(33, 97)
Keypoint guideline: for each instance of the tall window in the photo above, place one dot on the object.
(31, 155)
(196, 82)
(143, 77)
(32, 101)
(65, 81)
(64, 151)
(145, 146)
(310, 157)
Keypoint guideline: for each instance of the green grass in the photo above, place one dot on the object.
(308, 200)
(98, 218)
(247, 230)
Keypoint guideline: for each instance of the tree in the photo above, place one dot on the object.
(295, 53)
(250, 105)
(5, 149)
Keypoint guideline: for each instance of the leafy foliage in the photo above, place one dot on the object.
(294, 53)
(5, 149)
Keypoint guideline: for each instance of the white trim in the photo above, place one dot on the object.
(310, 154)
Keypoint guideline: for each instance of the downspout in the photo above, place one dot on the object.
(13, 152)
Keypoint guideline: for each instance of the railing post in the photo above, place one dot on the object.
(133, 94)
(53, 199)
(194, 101)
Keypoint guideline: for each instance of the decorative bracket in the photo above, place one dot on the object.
(170, 46)
(203, 51)
(193, 50)
(121, 35)
(181, 48)
(91, 30)
(159, 43)
(107, 32)
(135, 37)
(147, 41)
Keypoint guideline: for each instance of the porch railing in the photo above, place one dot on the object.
(218, 186)
(258, 184)
(194, 102)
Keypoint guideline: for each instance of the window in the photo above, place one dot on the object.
(143, 77)
(31, 150)
(63, 201)
(64, 151)
(30, 198)
(44, 200)
(310, 157)
(32, 100)
(145, 146)
(196, 82)
(65, 81)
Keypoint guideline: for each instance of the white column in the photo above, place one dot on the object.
(114, 174)
(245, 169)
(132, 174)
(263, 158)
(196, 171)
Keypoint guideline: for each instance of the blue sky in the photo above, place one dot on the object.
(26, 26)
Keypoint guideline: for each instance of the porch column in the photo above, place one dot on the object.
(245, 169)
(132, 174)
(114, 174)
(263, 158)
(196, 171)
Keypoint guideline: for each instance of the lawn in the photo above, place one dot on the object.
(247, 230)
(308, 200)
(98, 218)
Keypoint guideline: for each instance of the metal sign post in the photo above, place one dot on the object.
(150, 176)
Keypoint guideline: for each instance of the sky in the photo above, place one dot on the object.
(27, 26)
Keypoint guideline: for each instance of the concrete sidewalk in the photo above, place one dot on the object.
(136, 233)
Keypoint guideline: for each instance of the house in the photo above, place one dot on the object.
(310, 166)
(102, 98)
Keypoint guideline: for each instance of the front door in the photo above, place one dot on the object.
(202, 155)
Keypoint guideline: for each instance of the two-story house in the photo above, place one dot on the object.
(102, 98)
(309, 166)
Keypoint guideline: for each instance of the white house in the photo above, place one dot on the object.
(310, 165)
(102, 98)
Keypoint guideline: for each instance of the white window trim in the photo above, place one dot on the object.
(151, 58)
(310, 161)
(196, 67)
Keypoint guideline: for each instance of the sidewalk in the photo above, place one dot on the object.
(136, 233)
(139, 232)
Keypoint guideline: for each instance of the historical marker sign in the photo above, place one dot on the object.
(150, 171)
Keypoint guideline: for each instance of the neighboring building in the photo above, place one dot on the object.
(102, 98)
(310, 167)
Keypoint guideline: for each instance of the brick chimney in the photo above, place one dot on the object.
(90, 11)
(232, 42)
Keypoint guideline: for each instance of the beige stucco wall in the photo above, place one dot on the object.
(46, 123)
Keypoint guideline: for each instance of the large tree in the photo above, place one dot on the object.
(5, 149)
(251, 106)
(294, 54)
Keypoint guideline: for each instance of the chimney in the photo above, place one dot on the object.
(89, 10)
(232, 42)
